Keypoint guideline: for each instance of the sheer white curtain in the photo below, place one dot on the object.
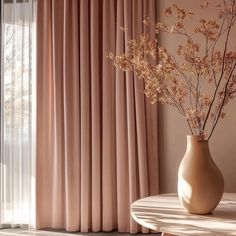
(17, 172)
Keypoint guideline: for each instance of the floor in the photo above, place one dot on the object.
(21, 232)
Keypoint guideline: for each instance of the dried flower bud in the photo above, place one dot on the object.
(168, 11)
(205, 4)
(110, 55)
(222, 115)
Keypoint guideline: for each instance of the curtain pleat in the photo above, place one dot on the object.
(134, 191)
(96, 77)
(109, 185)
(149, 9)
(71, 101)
(121, 131)
(96, 132)
(85, 113)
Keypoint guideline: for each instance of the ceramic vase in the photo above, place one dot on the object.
(200, 182)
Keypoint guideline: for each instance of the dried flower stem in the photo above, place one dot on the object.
(222, 104)
(178, 80)
(221, 76)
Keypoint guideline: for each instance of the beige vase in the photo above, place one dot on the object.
(200, 182)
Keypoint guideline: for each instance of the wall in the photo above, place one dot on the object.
(173, 128)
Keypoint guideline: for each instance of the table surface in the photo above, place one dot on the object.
(165, 214)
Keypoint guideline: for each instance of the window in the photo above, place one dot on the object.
(17, 113)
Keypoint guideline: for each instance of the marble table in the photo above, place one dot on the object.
(164, 213)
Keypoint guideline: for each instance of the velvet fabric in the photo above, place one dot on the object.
(97, 134)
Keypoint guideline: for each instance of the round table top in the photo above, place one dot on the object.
(165, 214)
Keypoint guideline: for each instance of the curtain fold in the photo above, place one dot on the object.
(96, 132)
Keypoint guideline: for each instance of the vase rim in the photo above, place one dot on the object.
(196, 137)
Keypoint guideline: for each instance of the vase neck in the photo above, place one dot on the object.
(197, 143)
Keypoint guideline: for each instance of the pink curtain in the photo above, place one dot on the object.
(96, 132)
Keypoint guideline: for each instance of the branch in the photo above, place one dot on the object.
(178, 106)
(187, 80)
(223, 101)
(184, 34)
(221, 76)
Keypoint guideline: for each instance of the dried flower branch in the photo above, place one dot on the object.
(179, 78)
